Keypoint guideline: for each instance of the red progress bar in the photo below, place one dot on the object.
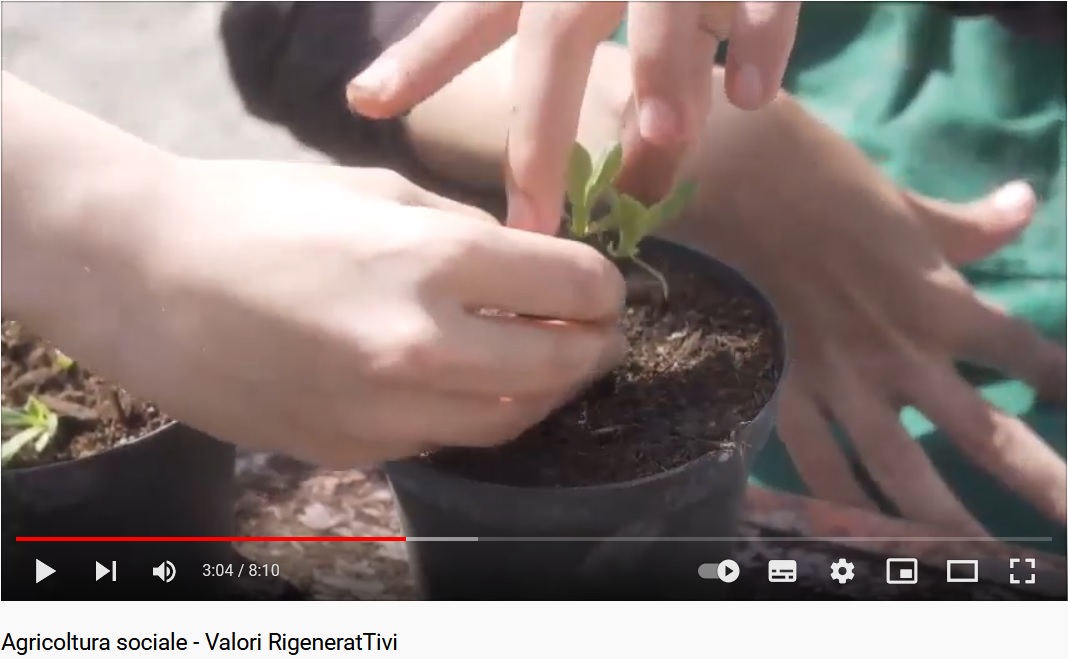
(214, 538)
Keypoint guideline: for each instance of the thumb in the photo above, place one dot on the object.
(971, 231)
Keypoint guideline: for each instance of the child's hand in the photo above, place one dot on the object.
(338, 315)
(672, 48)
(332, 314)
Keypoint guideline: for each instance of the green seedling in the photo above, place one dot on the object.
(627, 221)
(32, 425)
(62, 361)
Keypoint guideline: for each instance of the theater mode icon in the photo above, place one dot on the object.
(960, 571)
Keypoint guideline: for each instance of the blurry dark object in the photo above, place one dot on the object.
(291, 61)
(1032, 19)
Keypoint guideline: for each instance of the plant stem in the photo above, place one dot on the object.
(580, 222)
(116, 402)
(654, 272)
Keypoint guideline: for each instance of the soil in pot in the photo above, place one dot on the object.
(93, 415)
(701, 364)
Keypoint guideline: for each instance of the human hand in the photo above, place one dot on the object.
(332, 314)
(672, 47)
(876, 316)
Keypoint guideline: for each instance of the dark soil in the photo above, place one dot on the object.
(700, 366)
(93, 415)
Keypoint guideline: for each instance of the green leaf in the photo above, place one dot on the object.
(579, 170)
(12, 417)
(63, 361)
(48, 431)
(38, 411)
(672, 205)
(604, 172)
(14, 446)
(630, 217)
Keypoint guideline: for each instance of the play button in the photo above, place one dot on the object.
(727, 571)
(43, 571)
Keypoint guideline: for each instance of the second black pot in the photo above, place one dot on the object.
(646, 539)
(175, 481)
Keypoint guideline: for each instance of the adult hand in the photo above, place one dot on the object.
(876, 316)
(672, 47)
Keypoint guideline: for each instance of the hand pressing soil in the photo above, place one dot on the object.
(701, 364)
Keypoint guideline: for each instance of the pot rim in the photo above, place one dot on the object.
(413, 468)
(125, 447)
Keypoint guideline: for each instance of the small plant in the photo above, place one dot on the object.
(32, 424)
(590, 183)
(62, 361)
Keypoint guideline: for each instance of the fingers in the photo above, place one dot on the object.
(452, 37)
(554, 48)
(969, 232)
(998, 442)
(896, 462)
(417, 196)
(819, 460)
(1014, 347)
(408, 421)
(650, 167)
(390, 185)
(536, 275)
(519, 358)
(761, 39)
(662, 39)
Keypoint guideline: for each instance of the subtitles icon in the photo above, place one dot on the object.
(165, 571)
(962, 571)
(782, 571)
(902, 571)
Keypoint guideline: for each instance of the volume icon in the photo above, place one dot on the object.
(165, 571)
(103, 571)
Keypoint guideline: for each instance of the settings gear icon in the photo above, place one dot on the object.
(841, 570)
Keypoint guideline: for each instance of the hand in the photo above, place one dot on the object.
(672, 47)
(876, 316)
(331, 314)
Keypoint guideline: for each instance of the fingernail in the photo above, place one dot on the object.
(1015, 198)
(749, 89)
(658, 122)
(372, 82)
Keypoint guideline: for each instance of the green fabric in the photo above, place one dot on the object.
(952, 108)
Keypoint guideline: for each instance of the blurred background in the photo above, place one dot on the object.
(155, 69)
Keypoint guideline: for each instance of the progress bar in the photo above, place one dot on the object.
(400, 538)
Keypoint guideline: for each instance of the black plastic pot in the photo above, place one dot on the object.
(537, 543)
(175, 481)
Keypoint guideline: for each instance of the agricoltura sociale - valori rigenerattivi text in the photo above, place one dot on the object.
(274, 642)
